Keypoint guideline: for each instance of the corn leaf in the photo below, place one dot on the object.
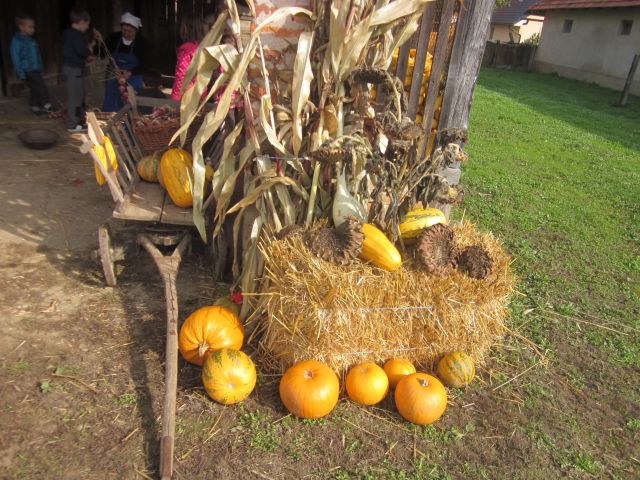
(396, 10)
(264, 164)
(302, 76)
(227, 161)
(251, 198)
(272, 136)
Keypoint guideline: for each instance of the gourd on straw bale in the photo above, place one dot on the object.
(344, 315)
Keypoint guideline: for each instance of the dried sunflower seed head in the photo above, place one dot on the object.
(475, 262)
(370, 75)
(289, 231)
(337, 245)
(330, 155)
(452, 135)
(437, 250)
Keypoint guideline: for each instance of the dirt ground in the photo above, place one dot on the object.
(81, 371)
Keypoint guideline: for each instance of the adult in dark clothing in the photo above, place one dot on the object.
(130, 53)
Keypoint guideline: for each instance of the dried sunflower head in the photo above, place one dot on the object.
(437, 250)
(329, 155)
(337, 245)
(406, 129)
(370, 75)
(289, 231)
(475, 262)
(452, 135)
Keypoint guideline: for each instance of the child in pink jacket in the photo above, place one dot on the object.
(192, 30)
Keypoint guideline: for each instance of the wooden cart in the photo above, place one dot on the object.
(167, 225)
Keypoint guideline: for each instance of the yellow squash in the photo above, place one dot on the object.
(378, 249)
(177, 177)
(417, 220)
(107, 157)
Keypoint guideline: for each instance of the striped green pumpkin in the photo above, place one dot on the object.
(456, 369)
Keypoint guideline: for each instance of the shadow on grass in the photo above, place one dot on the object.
(586, 106)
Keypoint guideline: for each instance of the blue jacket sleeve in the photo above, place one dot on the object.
(16, 58)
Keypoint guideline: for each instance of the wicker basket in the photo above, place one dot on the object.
(157, 136)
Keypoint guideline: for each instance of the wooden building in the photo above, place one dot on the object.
(160, 20)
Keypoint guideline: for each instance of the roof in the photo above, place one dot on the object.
(542, 5)
(513, 14)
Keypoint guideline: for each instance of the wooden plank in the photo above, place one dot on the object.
(426, 25)
(144, 203)
(627, 85)
(471, 34)
(124, 161)
(437, 66)
(174, 215)
(130, 150)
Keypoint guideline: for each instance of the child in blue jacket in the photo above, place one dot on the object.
(27, 62)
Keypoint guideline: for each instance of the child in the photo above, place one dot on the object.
(192, 30)
(151, 87)
(75, 55)
(27, 62)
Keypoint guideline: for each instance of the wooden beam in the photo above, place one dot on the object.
(437, 67)
(627, 84)
(426, 24)
(471, 35)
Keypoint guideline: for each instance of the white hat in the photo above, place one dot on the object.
(131, 19)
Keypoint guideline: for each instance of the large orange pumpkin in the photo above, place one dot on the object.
(309, 389)
(396, 369)
(229, 376)
(367, 384)
(456, 369)
(421, 398)
(209, 329)
(177, 177)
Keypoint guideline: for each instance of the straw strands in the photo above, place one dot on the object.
(343, 315)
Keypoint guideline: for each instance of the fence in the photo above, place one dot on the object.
(512, 55)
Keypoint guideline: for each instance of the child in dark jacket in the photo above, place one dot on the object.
(27, 62)
(75, 55)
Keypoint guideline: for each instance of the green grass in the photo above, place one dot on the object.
(555, 173)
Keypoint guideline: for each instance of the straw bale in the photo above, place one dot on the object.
(344, 315)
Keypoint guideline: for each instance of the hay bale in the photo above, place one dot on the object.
(346, 315)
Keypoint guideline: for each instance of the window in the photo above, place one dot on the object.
(625, 27)
(567, 25)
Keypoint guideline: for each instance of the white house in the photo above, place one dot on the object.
(591, 41)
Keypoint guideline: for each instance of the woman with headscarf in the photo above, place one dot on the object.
(130, 53)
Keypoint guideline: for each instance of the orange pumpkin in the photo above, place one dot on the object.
(456, 369)
(421, 398)
(209, 329)
(229, 376)
(309, 389)
(396, 369)
(367, 384)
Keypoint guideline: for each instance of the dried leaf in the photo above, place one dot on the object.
(302, 76)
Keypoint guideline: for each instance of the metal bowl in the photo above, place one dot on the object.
(39, 138)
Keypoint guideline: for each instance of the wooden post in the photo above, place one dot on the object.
(627, 84)
(472, 32)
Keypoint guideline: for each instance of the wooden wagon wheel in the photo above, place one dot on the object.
(106, 256)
